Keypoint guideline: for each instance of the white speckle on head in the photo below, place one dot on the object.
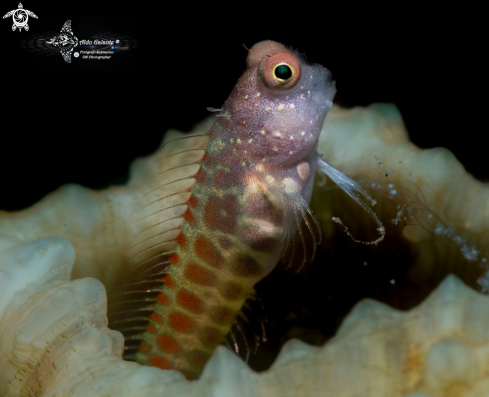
(292, 137)
(290, 152)
(268, 108)
(302, 133)
(257, 95)
(275, 149)
(303, 170)
(292, 106)
(246, 97)
(259, 167)
(251, 140)
(276, 133)
(263, 132)
(280, 107)
(290, 186)
(238, 140)
(270, 179)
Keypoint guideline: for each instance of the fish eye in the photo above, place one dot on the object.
(283, 72)
(280, 71)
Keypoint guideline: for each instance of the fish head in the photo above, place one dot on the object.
(280, 103)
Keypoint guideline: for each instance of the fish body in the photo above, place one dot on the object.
(223, 209)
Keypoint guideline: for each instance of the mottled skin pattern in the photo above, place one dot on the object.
(259, 160)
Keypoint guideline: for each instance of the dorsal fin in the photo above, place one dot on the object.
(158, 222)
(166, 200)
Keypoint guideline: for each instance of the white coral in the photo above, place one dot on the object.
(55, 342)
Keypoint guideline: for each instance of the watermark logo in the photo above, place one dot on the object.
(20, 17)
(101, 46)
(65, 41)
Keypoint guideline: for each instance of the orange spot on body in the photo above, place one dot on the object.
(159, 362)
(224, 179)
(169, 344)
(193, 202)
(189, 301)
(181, 322)
(175, 259)
(162, 298)
(220, 213)
(206, 159)
(210, 336)
(189, 217)
(208, 252)
(245, 266)
(144, 346)
(231, 291)
(201, 176)
(168, 281)
(155, 317)
(260, 206)
(182, 240)
(199, 275)
(222, 315)
(151, 328)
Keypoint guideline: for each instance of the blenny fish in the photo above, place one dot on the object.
(225, 206)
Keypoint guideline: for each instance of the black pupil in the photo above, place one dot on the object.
(283, 72)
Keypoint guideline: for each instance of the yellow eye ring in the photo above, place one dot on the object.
(283, 72)
(280, 71)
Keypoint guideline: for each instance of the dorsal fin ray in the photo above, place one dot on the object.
(158, 221)
(165, 202)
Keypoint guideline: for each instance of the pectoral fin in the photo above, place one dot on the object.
(350, 187)
(303, 233)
